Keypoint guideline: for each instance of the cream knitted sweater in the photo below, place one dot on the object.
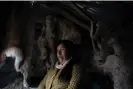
(66, 78)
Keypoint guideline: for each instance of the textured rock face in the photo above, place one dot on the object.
(119, 64)
(119, 72)
(17, 35)
(7, 73)
(17, 84)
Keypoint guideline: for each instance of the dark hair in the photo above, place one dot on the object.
(68, 45)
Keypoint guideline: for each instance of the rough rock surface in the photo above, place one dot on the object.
(17, 84)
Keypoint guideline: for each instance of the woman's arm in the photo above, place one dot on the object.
(76, 76)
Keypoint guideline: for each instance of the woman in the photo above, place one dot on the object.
(67, 71)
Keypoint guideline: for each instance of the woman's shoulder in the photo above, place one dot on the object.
(77, 66)
(77, 71)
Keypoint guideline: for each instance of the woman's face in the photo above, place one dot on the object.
(61, 53)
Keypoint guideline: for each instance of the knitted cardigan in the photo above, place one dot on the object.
(66, 78)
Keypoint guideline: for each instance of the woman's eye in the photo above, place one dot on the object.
(62, 49)
(59, 52)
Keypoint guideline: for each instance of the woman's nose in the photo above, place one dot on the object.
(59, 52)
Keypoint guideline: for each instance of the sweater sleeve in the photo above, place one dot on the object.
(76, 75)
(43, 83)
